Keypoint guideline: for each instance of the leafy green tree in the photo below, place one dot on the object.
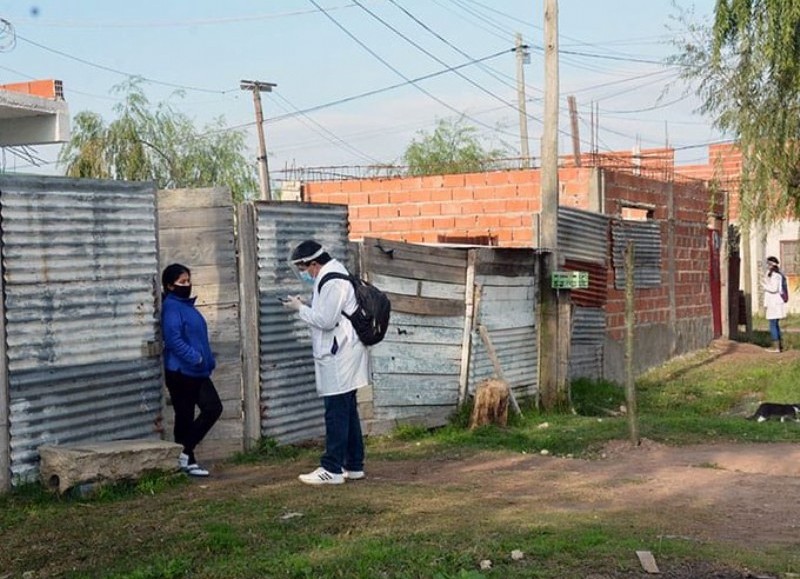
(157, 144)
(746, 69)
(453, 147)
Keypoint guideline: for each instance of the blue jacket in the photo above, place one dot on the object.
(186, 347)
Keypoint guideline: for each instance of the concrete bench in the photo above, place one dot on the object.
(63, 467)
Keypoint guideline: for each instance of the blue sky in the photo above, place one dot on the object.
(203, 48)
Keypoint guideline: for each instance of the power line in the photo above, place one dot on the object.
(465, 54)
(329, 135)
(120, 72)
(430, 54)
(368, 93)
(647, 109)
(611, 57)
(395, 70)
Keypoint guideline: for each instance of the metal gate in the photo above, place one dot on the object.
(79, 265)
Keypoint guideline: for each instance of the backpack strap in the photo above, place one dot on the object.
(332, 275)
(337, 275)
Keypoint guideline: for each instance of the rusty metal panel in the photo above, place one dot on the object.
(583, 235)
(80, 266)
(291, 411)
(506, 307)
(588, 339)
(646, 237)
(597, 293)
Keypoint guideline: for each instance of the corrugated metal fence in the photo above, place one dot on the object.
(79, 259)
(583, 243)
(285, 398)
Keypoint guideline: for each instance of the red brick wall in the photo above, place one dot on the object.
(692, 257)
(725, 166)
(499, 204)
(49, 89)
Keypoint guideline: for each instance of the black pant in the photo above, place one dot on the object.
(344, 445)
(187, 393)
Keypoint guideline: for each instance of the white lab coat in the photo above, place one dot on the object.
(773, 302)
(346, 369)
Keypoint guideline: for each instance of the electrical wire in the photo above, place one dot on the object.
(647, 109)
(120, 72)
(330, 136)
(433, 56)
(397, 71)
(365, 94)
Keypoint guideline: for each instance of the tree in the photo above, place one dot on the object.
(452, 148)
(157, 144)
(746, 67)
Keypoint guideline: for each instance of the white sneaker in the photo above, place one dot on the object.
(353, 474)
(321, 476)
(195, 470)
(183, 461)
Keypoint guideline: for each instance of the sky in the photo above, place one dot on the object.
(358, 80)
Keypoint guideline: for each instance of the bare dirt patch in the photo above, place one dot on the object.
(741, 494)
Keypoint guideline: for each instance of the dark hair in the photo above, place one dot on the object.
(306, 249)
(171, 274)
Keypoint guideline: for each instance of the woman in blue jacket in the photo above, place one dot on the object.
(188, 363)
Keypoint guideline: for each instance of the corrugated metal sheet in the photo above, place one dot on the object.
(588, 339)
(291, 409)
(80, 270)
(596, 294)
(583, 235)
(646, 238)
(507, 308)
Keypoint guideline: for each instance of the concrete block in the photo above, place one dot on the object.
(65, 466)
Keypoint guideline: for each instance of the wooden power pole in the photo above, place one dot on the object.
(576, 137)
(552, 386)
(263, 170)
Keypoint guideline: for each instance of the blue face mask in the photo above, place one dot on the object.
(305, 277)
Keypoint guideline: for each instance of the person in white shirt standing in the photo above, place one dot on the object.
(773, 302)
(340, 363)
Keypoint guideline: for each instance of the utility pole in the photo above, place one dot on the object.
(523, 58)
(550, 130)
(554, 395)
(263, 171)
(576, 137)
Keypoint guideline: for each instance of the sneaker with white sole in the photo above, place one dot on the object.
(195, 470)
(321, 476)
(183, 461)
(353, 474)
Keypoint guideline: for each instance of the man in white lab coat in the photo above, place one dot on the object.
(340, 363)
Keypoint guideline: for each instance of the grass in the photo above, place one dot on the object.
(165, 527)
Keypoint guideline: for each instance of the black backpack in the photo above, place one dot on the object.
(371, 318)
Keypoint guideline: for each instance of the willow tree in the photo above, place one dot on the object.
(746, 68)
(157, 143)
(453, 147)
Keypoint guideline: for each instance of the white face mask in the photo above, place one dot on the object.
(306, 277)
